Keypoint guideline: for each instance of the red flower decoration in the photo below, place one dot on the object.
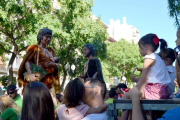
(155, 39)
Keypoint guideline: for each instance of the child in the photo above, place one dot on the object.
(177, 66)
(9, 109)
(74, 109)
(168, 57)
(121, 88)
(154, 78)
(112, 95)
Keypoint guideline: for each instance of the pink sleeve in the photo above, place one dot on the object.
(83, 108)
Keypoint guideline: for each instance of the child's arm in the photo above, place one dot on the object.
(146, 67)
(132, 76)
(99, 109)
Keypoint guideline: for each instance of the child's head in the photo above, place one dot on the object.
(178, 38)
(167, 56)
(59, 98)
(35, 98)
(113, 94)
(119, 86)
(74, 93)
(150, 43)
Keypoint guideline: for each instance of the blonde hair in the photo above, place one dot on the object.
(7, 102)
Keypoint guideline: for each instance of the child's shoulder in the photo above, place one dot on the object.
(81, 106)
(151, 56)
(171, 68)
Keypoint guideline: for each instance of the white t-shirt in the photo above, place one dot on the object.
(158, 73)
(99, 116)
(172, 73)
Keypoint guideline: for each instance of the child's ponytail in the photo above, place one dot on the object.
(163, 45)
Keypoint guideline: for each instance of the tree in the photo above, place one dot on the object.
(174, 10)
(17, 21)
(76, 29)
(122, 58)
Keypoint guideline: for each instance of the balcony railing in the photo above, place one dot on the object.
(2, 67)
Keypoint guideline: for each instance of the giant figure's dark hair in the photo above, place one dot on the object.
(43, 32)
(37, 102)
(91, 49)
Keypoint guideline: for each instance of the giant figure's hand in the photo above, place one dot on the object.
(32, 77)
(51, 64)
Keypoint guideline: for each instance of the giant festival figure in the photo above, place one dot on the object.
(45, 57)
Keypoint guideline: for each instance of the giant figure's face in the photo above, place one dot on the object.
(86, 51)
(46, 39)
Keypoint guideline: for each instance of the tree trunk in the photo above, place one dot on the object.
(64, 78)
(10, 68)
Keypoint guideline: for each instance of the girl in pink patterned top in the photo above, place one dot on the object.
(74, 109)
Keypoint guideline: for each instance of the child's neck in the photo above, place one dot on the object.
(168, 64)
(149, 52)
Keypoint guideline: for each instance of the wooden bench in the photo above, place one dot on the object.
(157, 105)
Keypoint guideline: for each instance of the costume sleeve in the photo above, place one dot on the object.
(99, 69)
(29, 57)
(55, 74)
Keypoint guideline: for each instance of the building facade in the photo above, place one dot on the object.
(118, 31)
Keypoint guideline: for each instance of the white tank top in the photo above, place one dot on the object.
(158, 73)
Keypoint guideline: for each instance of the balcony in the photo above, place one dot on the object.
(3, 69)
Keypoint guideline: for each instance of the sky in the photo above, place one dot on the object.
(148, 16)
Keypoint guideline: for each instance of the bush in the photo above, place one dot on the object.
(4, 80)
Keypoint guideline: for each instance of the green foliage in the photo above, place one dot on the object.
(174, 10)
(34, 69)
(72, 27)
(122, 58)
(4, 80)
(18, 19)
(1, 52)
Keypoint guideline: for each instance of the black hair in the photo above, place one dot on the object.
(37, 102)
(112, 92)
(121, 85)
(91, 49)
(100, 83)
(59, 97)
(148, 39)
(11, 87)
(168, 53)
(43, 32)
(74, 93)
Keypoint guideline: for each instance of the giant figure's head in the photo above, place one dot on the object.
(88, 50)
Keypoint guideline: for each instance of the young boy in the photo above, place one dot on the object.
(168, 57)
(121, 88)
